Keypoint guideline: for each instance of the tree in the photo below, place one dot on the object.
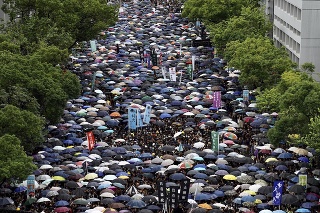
(260, 62)
(22, 124)
(308, 67)
(50, 86)
(214, 11)
(57, 22)
(252, 22)
(312, 139)
(14, 162)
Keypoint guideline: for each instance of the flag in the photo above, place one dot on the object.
(180, 148)
(162, 191)
(217, 99)
(93, 46)
(193, 63)
(184, 190)
(147, 114)
(139, 119)
(164, 73)
(132, 118)
(215, 141)
(303, 180)
(277, 192)
(172, 73)
(85, 166)
(245, 95)
(91, 140)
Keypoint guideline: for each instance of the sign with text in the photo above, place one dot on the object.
(162, 192)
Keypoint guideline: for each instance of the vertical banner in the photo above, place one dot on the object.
(215, 141)
(139, 119)
(132, 118)
(189, 71)
(184, 190)
(217, 99)
(93, 46)
(147, 114)
(30, 184)
(303, 180)
(173, 197)
(163, 70)
(91, 140)
(193, 63)
(277, 192)
(245, 95)
(162, 192)
(85, 167)
(173, 74)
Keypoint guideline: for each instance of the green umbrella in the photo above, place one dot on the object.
(30, 201)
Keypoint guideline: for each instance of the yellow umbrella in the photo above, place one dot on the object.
(257, 201)
(59, 178)
(123, 177)
(250, 192)
(271, 159)
(90, 176)
(230, 177)
(205, 206)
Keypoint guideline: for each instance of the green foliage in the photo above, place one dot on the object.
(268, 100)
(49, 85)
(312, 139)
(14, 163)
(51, 54)
(260, 62)
(213, 11)
(22, 124)
(19, 97)
(57, 22)
(308, 67)
(291, 122)
(252, 22)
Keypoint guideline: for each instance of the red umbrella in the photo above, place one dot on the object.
(248, 119)
(62, 209)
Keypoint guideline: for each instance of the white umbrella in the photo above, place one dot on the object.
(107, 194)
(167, 162)
(45, 166)
(198, 145)
(255, 187)
(177, 134)
(43, 199)
(109, 177)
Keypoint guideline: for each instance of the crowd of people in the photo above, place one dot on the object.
(121, 173)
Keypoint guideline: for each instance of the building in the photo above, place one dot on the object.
(296, 26)
(3, 17)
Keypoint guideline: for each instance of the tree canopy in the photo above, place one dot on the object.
(296, 98)
(214, 11)
(260, 62)
(48, 85)
(252, 22)
(57, 22)
(22, 124)
(14, 163)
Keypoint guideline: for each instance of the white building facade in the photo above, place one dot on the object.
(296, 26)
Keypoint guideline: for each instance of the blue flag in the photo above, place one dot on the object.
(132, 118)
(277, 192)
(147, 113)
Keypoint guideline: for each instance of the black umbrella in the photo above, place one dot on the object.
(290, 199)
(298, 189)
(265, 190)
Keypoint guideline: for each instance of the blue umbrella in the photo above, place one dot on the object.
(177, 176)
(137, 204)
(125, 198)
(308, 205)
(200, 176)
(202, 196)
(285, 155)
(281, 168)
(303, 210)
(165, 115)
(219, 193)
(248, 198)
(20, 189)
(304, 159)
(61, 203)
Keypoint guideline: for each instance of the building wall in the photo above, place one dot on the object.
(297, 28)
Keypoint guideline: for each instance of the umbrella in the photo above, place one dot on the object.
(137, 204)
(62, 209)
(290, 199)
(6, 201)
